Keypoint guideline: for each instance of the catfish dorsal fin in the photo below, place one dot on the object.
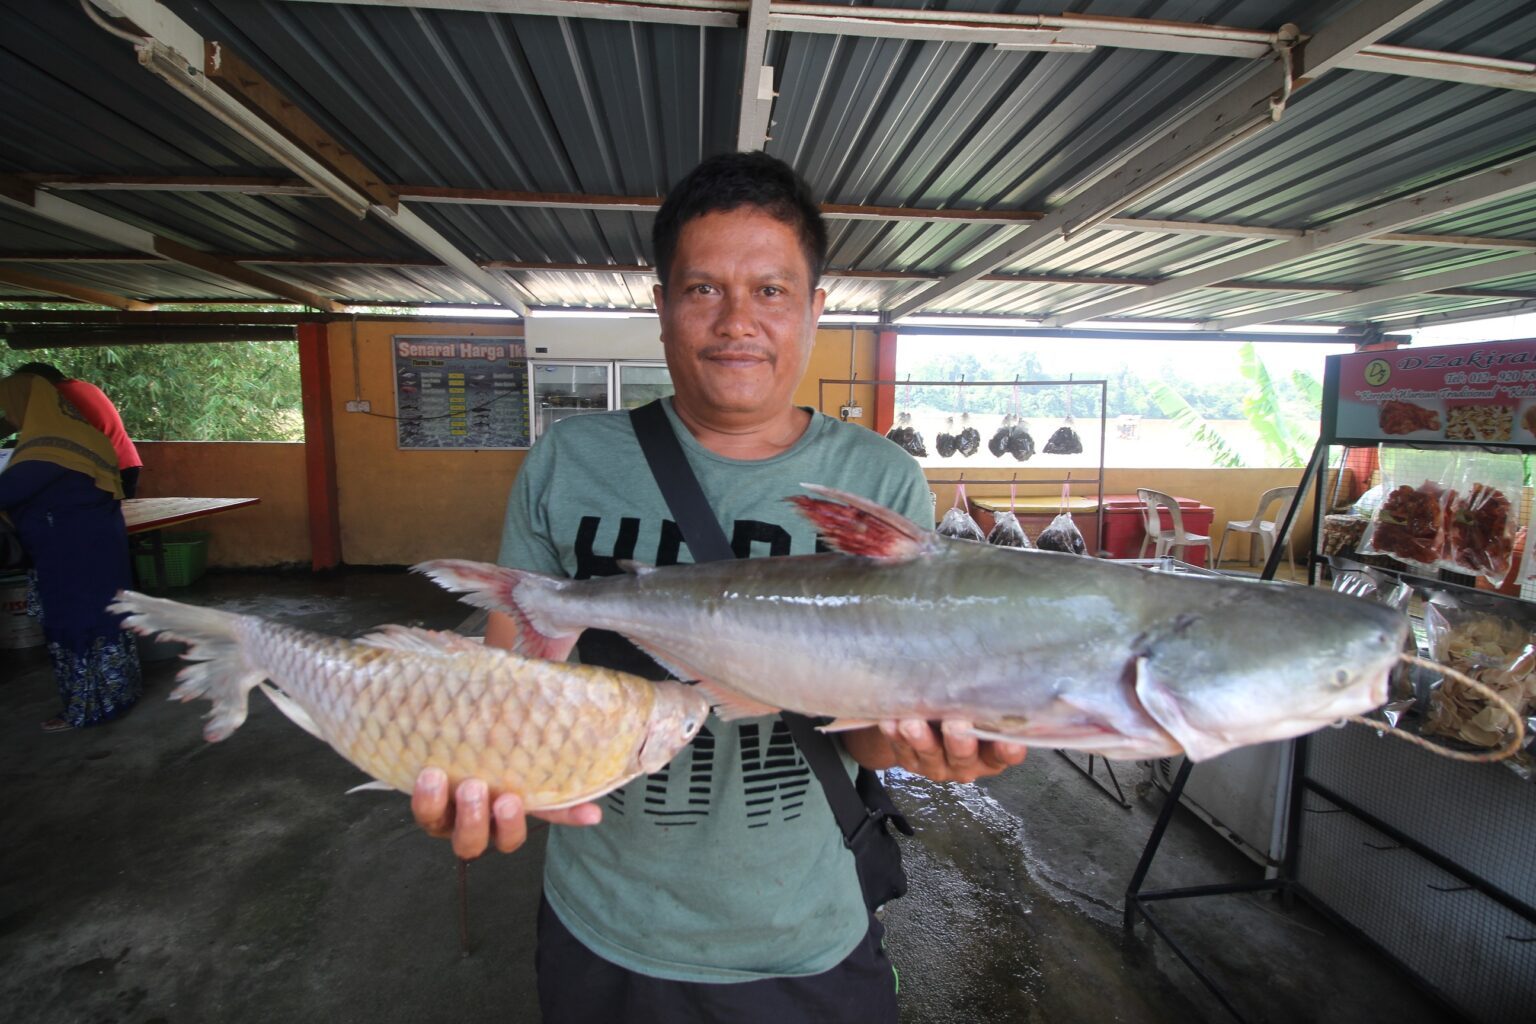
(858, 526)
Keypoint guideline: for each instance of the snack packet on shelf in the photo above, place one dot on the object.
(1409, 525)
(1483, 515)
(1491, 641)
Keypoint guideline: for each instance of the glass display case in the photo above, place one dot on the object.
(640, 383)
(562, 389)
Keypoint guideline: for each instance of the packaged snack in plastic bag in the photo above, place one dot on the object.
(1483, 516)
(1062, 534)
(1409, 525)
(1491, 641)
(1007, 531)
(968, 441)
(957, 522)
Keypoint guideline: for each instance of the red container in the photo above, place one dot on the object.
(1124, 532)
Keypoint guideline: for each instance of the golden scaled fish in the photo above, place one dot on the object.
(402, 699)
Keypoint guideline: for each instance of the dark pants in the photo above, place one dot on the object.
(130, 480)
(576, 986)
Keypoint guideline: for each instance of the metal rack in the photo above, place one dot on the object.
(1425, 860)
(1101, 385)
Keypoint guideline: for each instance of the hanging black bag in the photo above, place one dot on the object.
(862, 807)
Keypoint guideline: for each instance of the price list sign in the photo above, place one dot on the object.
(461, 393)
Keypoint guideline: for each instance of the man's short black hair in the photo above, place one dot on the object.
(731, 180)
(47, 371)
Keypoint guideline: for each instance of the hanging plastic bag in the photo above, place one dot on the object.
(1490, 640)
(1007, 532)
(1483, 518)
(957, 522)
(998, 443)
(1062, 534)
(907, 437)
(1409, 524)
(946, 442)
(1020, 445)
(1064, 440)
(968, 441)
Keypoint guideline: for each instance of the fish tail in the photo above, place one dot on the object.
(507, 591)
(216, 669)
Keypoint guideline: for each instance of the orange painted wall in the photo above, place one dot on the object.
(276, 532)
(400, 507)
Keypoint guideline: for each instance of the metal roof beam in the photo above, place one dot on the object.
(1459, 316)
(80, 218)
(1061, 32)
(1507, 266)
(222, 83)
(442, 195)
(70, 290)
(1485, 187)
(756, 83)
(1241, 113)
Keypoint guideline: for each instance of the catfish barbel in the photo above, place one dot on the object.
(1029, 646)
(404, 699)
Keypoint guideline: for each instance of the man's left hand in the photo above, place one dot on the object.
(942, 752)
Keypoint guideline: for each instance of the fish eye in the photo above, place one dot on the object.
(1341, 677)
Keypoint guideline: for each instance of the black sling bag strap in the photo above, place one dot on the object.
(861, 808)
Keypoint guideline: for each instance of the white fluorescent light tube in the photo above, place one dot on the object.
(966, 321)
(193, 84)
(591, 314)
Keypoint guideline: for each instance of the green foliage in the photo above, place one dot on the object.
(1287, 434)
(218, 392)
(1172, 405)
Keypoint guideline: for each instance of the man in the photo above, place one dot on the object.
(97, 409)
(718, 889)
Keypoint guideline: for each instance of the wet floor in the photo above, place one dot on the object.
(150, 877)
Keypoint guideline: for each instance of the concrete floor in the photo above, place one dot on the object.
(150, 877)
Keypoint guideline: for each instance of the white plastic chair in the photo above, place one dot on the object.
(1165, 540)
(1262, 527)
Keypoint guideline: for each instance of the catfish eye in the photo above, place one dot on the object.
(1341, 677)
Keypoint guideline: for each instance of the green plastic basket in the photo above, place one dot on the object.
(186, 556)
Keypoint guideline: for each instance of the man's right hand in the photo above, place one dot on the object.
(472, 826)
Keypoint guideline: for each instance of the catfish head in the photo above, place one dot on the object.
(1269, 664)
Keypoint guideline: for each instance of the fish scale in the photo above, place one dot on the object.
(403, 700)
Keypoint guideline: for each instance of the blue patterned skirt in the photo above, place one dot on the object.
(98, 675)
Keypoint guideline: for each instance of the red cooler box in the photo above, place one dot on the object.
(1123, 530)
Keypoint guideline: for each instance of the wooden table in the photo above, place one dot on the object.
(152, 515)
(1036, 504)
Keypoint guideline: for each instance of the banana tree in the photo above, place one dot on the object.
(1287, 441)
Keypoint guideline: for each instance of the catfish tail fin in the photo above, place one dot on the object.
(217, 668)
(508, 592)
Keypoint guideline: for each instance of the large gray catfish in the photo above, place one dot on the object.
(1049, 649)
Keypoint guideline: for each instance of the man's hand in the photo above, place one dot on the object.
(944, 754)
(474, 827)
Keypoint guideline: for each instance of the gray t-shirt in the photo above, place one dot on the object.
(727, 865)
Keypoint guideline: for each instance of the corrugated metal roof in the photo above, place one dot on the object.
(518, 102)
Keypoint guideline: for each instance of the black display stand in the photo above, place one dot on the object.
(1426, 860)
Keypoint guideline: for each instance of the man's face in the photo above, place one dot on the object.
(738, 317)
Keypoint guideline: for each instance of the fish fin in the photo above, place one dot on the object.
(995, 737)
(216, 667)
(847, 724)
(729, 705)
(290, 708)
(375, 784)
(635, 568)
(858, 526)
(420, 641)
(495, 588)
(1164, 708)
